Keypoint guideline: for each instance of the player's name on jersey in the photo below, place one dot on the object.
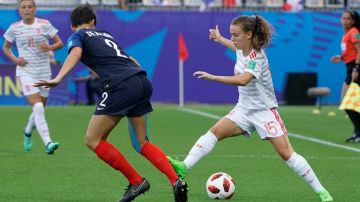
(94, 33)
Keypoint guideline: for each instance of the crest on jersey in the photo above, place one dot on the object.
(251, 64)
(356, 36)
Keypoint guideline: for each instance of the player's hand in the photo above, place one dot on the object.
(204, 75)
(336, 58)
(20, 61)
(47, 83)
(214, 34)
(44, 47)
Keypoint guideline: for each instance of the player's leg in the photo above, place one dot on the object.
(275, 131)
(138, 132)
(355, 120)
(27, 132)
(204, 145)
(36, 96)
(299, 165)
(97, 132)
(40, 122)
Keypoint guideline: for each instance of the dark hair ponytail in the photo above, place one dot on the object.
(260, 28)
(356, 17)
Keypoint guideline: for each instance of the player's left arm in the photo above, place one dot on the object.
(237, 80)
(71, 60)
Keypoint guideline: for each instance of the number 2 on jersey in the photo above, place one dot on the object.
(114, 46)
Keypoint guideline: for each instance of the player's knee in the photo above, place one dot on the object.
(91, 143)
(285, 154)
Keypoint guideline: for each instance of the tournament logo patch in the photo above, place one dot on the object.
(251, 65)
(356, 36)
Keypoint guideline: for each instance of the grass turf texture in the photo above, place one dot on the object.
(74, 173)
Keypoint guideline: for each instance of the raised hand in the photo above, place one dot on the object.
(215, 34)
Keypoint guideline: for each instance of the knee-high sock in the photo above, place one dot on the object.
(303, 169)
(113, 157)
(40, 122)
(202, 147)
(31, 124)
(157, 157)
(355, 119)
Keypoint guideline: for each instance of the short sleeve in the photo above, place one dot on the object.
(50, 30)
(355, 36)
(254, 68)
(74, 41)
(9, 35)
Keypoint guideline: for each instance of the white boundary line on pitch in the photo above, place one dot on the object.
(310, 139)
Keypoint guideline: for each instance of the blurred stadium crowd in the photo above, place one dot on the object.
(202, 5)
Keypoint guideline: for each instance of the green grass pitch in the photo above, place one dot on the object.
(75, 174)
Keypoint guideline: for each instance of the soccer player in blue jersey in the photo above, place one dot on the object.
(126, 92)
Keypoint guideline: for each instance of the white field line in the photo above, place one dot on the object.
(310, 139)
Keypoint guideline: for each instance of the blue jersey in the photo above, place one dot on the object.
(101, 53)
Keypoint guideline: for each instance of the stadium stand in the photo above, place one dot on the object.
(59, 4)
(215, 5)
(92, 2)
(8, 3)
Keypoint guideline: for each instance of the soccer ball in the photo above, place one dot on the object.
(220, 186)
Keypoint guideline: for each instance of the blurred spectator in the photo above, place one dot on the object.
(229, 3)
(293, 5)
(92, 87)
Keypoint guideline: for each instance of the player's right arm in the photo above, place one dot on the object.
(7, 51)
(215, 35)
(71, 60)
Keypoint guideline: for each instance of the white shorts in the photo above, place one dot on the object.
(28, 88)
(266, 122)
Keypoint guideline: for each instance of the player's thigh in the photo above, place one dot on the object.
(226, 128)
(268, 123)
(33, 94)
(99, 128)
(282, 146)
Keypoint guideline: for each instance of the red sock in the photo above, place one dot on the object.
(159, 160)
(108, 153)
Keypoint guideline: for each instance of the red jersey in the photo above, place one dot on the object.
(348, 45)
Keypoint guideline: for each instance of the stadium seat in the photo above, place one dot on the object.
(8, 2)
(55, 4)
(91, 2)
(255, 3)
(171, 3)
(110, 2)
(198, 3)
(274, 3)
(314, 4)
(192, 3)
(334, 3)
(354, 4)
(319, 93)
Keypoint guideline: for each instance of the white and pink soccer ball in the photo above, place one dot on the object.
(220, 186)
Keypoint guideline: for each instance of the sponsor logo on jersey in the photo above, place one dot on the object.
(251, 65)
